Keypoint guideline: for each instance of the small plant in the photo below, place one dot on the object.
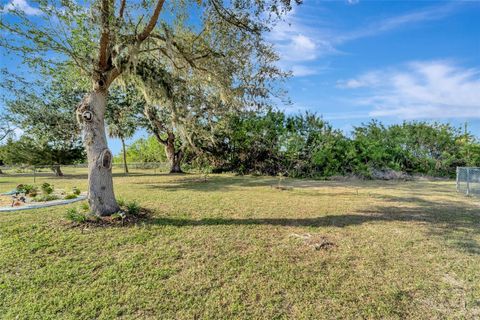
(47, 188)
(76, 191)
(85, 207)
(120, 215)
(121, 202)
(133, 208)
(27, 189)
(75, 216)
(45, 197)
(71, 196)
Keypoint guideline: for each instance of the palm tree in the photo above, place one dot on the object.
(122, 132)
(122, 107)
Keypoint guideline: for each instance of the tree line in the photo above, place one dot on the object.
(200, 131)
(306, 146)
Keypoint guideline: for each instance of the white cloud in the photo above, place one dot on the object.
(420, 90)
(352, 2)
(21, 5)
(397, 22)
(301, 38)
(302, 70)
(297, 48)
(365, 80)
(297, 43)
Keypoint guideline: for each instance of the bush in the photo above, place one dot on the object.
(70, 196)
(27, 189)
(47, 188)
(75, 216)
(76, 191)
(45, 197)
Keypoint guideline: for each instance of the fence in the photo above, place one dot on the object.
(468, 180)
(80, 171)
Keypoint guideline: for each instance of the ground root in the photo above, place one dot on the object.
(316, 242)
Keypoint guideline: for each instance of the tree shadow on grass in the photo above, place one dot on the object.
(225, 183)
(216, 183)
(76, 176)
(457, 224)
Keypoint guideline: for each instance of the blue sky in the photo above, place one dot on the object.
(389, 60)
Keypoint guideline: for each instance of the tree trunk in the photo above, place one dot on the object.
(125, 167)
(174, 157)
(57, 170)
(91, 112)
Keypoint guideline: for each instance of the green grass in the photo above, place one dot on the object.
(236, 248)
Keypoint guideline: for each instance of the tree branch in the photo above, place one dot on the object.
(153, 21)
(122, 9)
(105, 36)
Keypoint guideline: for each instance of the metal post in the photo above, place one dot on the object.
(458, 179)
(34, 174)
(468, 181)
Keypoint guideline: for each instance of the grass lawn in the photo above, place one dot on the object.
(236, 248)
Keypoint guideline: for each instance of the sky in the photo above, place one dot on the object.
(355, 60)
(389, 60)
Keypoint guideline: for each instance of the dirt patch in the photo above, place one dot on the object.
(5, 201)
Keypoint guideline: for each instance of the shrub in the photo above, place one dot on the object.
(47, 188)
(45, 197)
(133, 208)
(75, 216)
(70, 196)
(27, 189)
(76, 191)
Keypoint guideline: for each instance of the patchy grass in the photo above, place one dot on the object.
(236, 247)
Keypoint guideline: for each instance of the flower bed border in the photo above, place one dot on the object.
(39, 205)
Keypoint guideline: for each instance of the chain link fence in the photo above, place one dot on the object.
(468, 180)
(80, 171)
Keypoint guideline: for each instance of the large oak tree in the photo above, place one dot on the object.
(103, 39)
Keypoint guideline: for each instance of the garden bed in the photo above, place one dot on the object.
(35, 205)
(25, 197)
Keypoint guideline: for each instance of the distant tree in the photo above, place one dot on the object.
(122, 115)
(146, 150)
(49, 127)
(29, 150)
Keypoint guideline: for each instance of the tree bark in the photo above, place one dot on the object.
(57, 170)
(173, 156)
(125, 167)
(101, 197)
